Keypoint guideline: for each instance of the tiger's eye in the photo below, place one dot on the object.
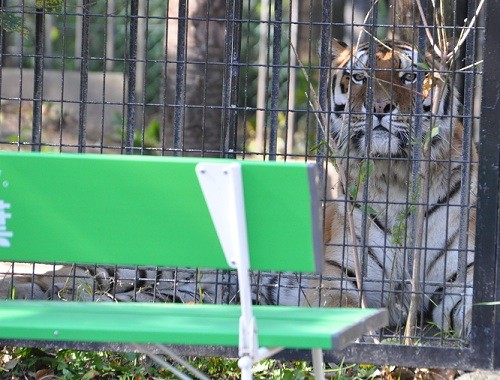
(409, 77)
(358, 77)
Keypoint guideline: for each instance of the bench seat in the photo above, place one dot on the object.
(198, 324)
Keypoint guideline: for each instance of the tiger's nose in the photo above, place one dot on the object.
(383, 106)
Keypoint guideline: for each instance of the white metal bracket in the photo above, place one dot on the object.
(222, 187)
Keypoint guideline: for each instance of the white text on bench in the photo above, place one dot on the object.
(5, 235)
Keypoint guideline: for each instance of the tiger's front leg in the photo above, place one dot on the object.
(382, 279)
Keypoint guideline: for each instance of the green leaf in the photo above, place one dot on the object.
(423, 65)
(368, 209)
(353, 191)
(318, 148)
(12, 23)
(365, 171)
(434, 131)
(153, 131)
(431, 134)
(48, 4)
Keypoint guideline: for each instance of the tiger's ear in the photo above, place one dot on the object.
(338, 48)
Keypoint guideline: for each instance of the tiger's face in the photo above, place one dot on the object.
(384, 126)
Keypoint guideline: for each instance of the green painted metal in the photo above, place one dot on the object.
(129, 210)
(279, 326)
(136, 210)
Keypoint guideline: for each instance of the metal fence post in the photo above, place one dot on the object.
(486, 318)
(38, 83)
(132, 76)
(84, 76)
(231, 77)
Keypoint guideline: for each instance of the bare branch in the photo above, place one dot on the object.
(468, 28)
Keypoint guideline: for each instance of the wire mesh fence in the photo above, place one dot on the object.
(393, 116)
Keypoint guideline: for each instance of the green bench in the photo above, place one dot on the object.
(177, 212)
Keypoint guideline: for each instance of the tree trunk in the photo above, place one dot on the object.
(194, 75)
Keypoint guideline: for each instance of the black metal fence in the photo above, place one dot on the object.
(257, 80)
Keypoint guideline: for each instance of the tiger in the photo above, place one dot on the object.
(376, 142)
(380, 208)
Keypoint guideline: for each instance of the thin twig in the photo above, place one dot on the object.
(461, 40)
(441, 52)
(427, 29)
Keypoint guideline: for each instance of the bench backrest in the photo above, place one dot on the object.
(141, 210)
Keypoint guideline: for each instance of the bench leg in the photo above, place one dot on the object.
(200, 375)
(245, 363)
(176, 358)
(317, 359)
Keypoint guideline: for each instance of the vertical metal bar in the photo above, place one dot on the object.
(131, 73)
(496, 264)
(415, 192)
(165, 90)
(108, 66)
(235, 72)
(262, 76)
(370, 83)
(324, 83)
(486, 285)
(142, 44)
(420, 245)
(78, 34)
(36, 139)
(275, 79)
(63, 73)
(180, 84)
(229, 114)
(292, 69)
(231, 78)
(84, 76)
(417, 187)
(110, 34)
(204, 135)
(19, 64)
(466, 147)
